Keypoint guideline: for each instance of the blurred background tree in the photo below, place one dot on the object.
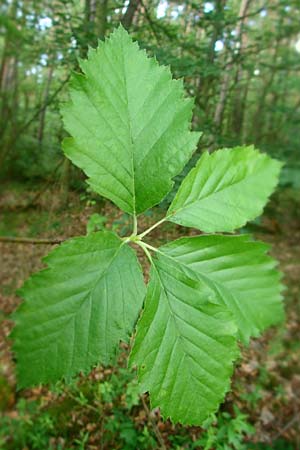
(240, 59)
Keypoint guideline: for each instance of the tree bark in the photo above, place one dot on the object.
(8, 76)
(64, 183)
(129, 13)
(44, 106)
(225, 84)
(241, 91)
(101, 18)
(205, 84)
(257, 130)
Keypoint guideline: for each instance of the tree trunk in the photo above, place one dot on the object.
(225, 84)
(42, 117)
(257, 120)
(203, 95)
(8, 72)
(241, 91)
(64, 183)
(129, 13)
(102, 18)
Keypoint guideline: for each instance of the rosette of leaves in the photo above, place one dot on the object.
(130, 130)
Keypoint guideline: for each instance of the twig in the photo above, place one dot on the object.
(27, 240)
(287, 426)
(48, 182)
(27, 124)
(43, 107)
(86, 405)
(150, 21)
(155, 428)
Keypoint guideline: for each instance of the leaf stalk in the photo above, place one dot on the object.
(134, 231)
(152, 227)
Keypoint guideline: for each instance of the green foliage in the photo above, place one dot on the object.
(96, 223)
(261, 82)
(134, 122)
(281, 444)
(31, 428)
(239, 272)
(65, 321)
(225, 190)
(225, 432)
(122, 225)
(34, 161)
(52, 423)
(131, 135)
(184, 345)
(290, 176)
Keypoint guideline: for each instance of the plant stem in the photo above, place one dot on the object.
(152, 227)
(154, 249)
(134, 231)
(144, 246)
(153, 423)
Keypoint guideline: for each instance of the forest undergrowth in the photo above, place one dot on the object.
(104, 410)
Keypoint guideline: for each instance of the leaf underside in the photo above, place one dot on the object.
(225, 190)
(130, 124)
(185, 344)
(78, 309)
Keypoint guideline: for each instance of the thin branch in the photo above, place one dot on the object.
(47, 183)
(150, 247)
(128, 17)
(87, 405)
(154, 426)
(27, 124)
(43, 107)
(150, 21)
(27, 240)
(246, 16)
(144, 246)
(287, 426)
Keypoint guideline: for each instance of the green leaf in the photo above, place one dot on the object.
(78, 309)
(225, 190)
(240, 272)
(184, 345)
(130, 124)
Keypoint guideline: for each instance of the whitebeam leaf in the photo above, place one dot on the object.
(130, 124)
(184, 346)
(78, 309)
(243, 276)
(225, 190)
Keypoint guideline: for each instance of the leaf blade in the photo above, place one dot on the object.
(225, 190)
(184, 345)
(126, 112)
(241, 273)
(70, 320)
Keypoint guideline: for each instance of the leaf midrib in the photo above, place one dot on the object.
(209, 281)
(83, 300)
(130, 133)
(180, 337)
